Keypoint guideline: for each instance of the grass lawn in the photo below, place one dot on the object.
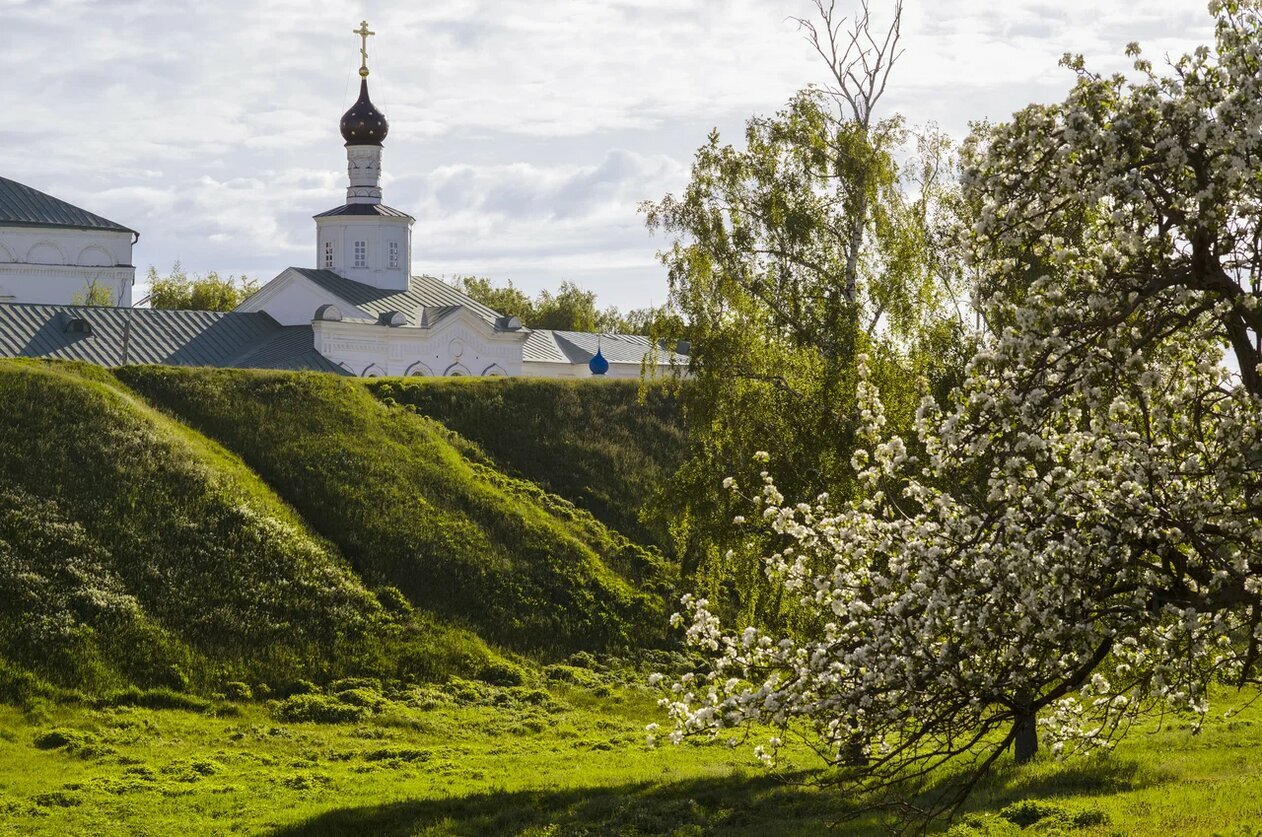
(471, 759)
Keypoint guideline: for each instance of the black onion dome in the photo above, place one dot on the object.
(363, 124)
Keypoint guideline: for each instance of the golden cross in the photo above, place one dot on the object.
(363, 33)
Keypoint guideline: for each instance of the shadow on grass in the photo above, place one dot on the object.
(762, 805)
(740, 805)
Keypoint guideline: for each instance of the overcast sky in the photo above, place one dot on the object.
(522, 134)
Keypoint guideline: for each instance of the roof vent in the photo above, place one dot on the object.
(394, 319)
(328, 313)
(508, 324)
(78, 325)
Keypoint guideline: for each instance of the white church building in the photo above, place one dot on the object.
(54, 252)
(358, 311)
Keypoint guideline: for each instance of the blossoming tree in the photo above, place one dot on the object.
(1077, 540)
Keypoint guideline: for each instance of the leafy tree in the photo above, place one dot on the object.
(570, 308)
(792, 255)
(177, 290)
(507, 300)
(94, 293)
(1075, 540)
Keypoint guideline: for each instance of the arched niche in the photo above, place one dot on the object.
(45, 252)
(94, 255)
(456, 369)
(6, 255)
(494, 370)
(373, 371)
(419, 369)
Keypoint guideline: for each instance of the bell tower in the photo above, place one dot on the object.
(365, 240)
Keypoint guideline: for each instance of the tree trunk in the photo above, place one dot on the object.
(1025, 745)
(854, 754)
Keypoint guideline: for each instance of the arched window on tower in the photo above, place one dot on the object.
(361, 254)
(328, 255)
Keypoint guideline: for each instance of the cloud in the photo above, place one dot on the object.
(522, 134)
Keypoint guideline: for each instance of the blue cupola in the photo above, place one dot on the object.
(598, 364)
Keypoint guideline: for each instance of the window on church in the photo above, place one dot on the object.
(394, 254)
(328, 255)
(361, 254)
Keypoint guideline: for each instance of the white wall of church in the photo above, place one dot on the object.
(382, 266)
(55, 266)
(291, 300)
(457, 348)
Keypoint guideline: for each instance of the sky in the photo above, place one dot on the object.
(523, 135)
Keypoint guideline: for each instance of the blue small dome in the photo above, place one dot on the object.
(598, 364)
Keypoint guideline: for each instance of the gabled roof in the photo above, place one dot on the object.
(377, 209)
(20, 205)
(424, 292)
(577, 347)
(118, 336)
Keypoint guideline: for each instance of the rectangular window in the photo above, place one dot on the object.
(394, 254)
(361, 254)
(328, 255)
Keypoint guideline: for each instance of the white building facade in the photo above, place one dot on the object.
(52, 252)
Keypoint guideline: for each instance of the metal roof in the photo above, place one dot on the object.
(119, 336)
(548, 346)
(424, 292)
(20, 205)
(377, 209)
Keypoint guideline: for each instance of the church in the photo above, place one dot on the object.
(66, 278)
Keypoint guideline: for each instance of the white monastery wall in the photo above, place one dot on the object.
(54, 266)
(370, 350)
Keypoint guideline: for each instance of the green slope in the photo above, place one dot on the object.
(409, 504)
(603, 445)
(134, 551)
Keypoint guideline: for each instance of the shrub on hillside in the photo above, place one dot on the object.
(318, 709)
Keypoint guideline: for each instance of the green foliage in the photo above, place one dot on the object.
(319, 709)
(571, 308)
(177, 290)
(94, 293)
(409, 509)
(605, 447)
(792, 257)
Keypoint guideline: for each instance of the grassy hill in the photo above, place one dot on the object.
(411, 505)
(184, 529)
(605, 446)
(134, 551)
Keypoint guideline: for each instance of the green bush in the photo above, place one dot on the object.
(318, 709)
(503, 674)
(70, 739)
(156, 699)
(1028, 811)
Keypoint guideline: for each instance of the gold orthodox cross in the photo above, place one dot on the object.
(363, 33)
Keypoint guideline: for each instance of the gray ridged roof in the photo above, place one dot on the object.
(424, 292)
(545, 345)
(378, 209)
(141, 335)
(20, 205)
